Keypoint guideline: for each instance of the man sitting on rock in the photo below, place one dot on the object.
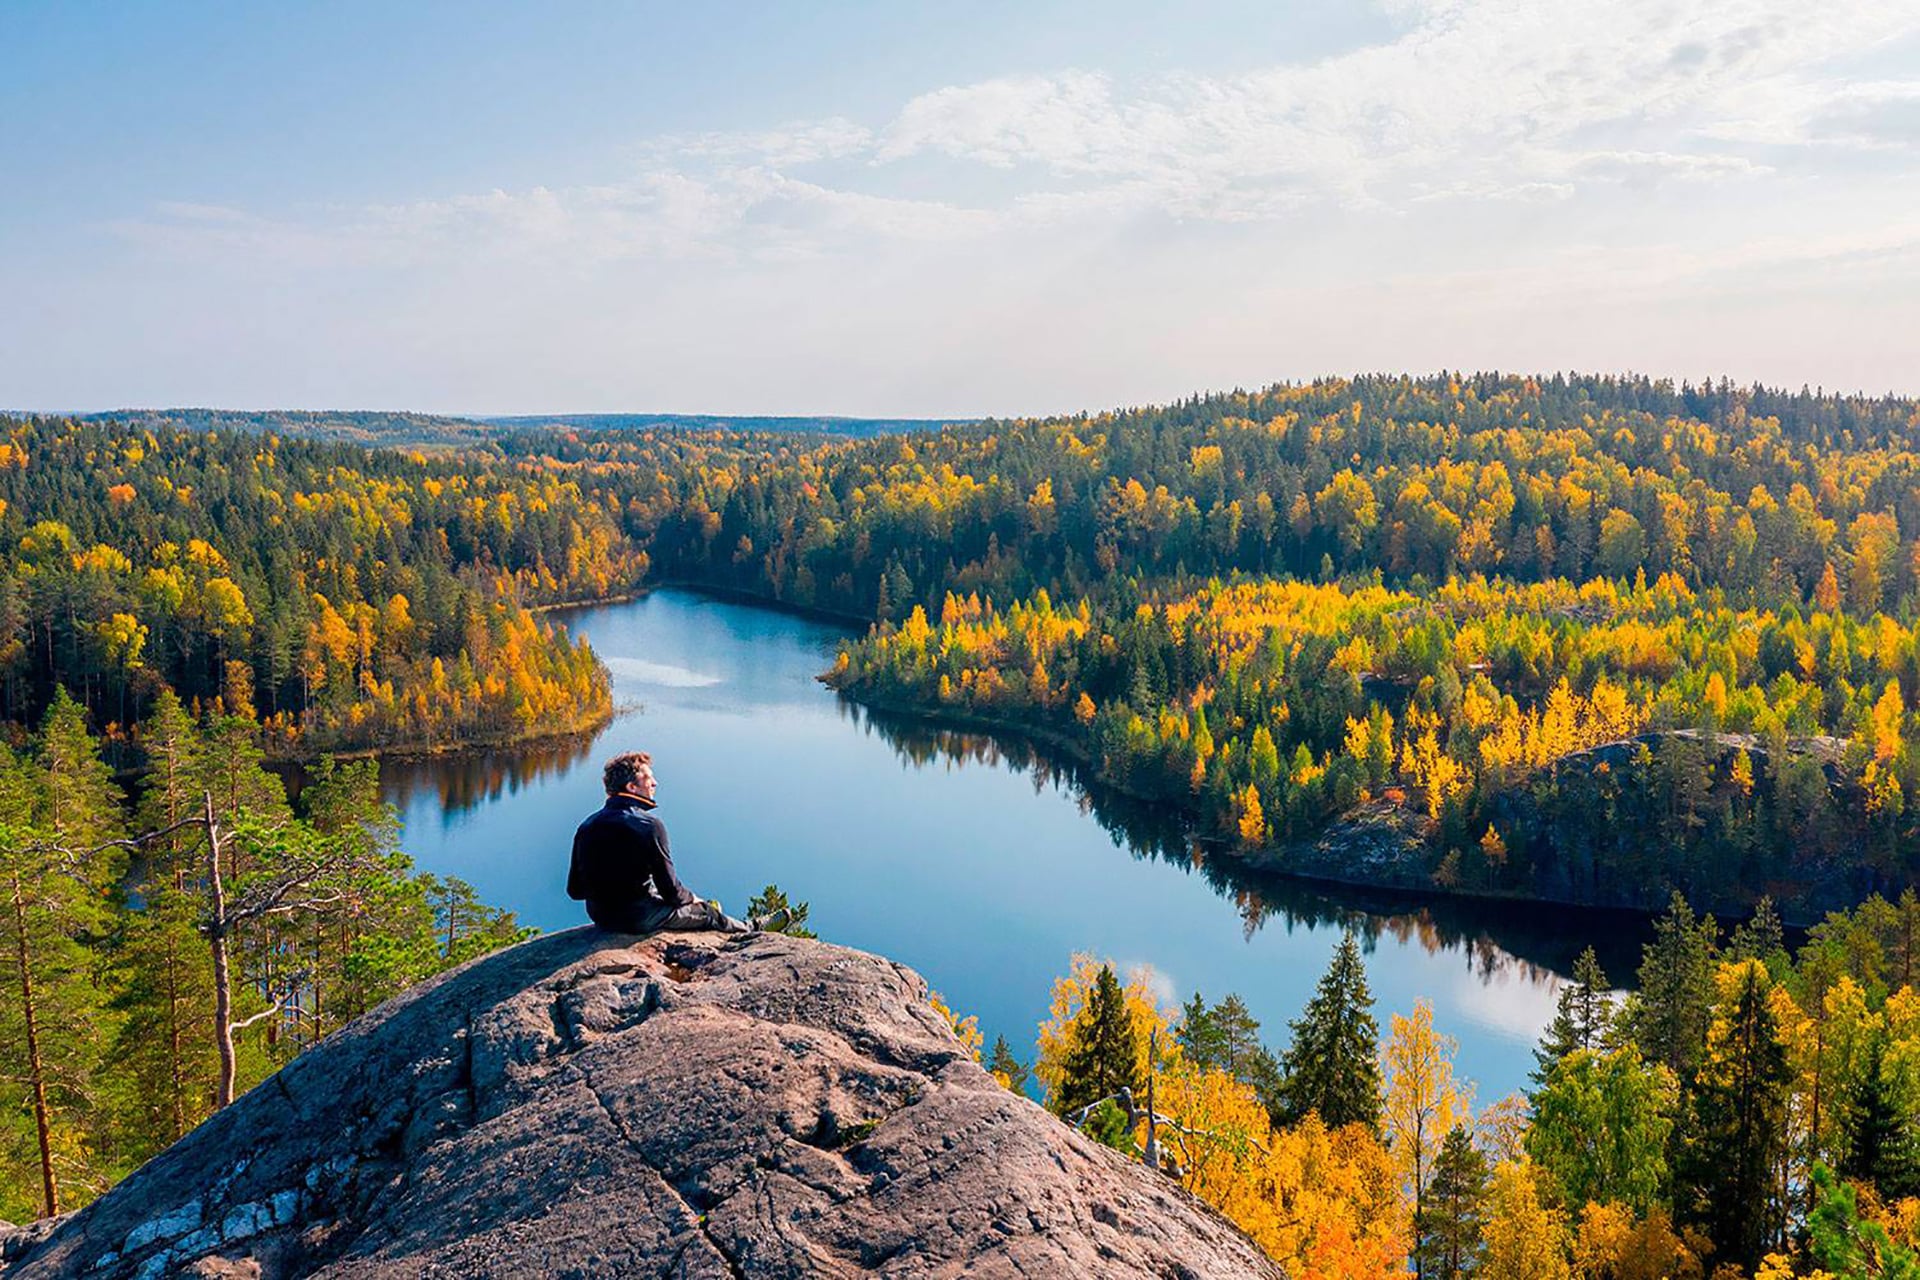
(621, 865)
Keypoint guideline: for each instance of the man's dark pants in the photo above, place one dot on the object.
(650, 915)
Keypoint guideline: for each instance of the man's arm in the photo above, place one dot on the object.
(576, 873)
(659, 863)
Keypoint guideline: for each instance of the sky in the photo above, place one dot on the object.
(917, 210)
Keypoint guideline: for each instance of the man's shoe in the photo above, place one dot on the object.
(772, 922)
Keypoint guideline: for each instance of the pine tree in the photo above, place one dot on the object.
(164, 1044)
(1455, 1205)
(54, 894)
(163, 1048)
(1105, 1054)
(773, 899)
(1583, 1019)
(1844, 1245)
(1331, 1066)
(78, 806)
(172, 786)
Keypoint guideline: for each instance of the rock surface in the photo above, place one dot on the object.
(692, 1105)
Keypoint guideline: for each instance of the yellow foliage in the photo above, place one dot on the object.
(1525, 1240)
(1069, 1003)
(967, 1029)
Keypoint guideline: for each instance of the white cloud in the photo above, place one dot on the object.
(1496, 100)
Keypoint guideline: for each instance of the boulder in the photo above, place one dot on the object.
(685, 1105)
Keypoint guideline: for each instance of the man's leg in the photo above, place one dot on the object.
(700, 914)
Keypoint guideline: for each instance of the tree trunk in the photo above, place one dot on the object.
(36, 1072)
(222, 976)
(175, 1046)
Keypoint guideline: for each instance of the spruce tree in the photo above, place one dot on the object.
(1761, 937)
(1583, 1019)
(1105, 1054)
(1239, 1035)
(1332, 1065)
(1198, 1034)
(1737, 1122)
(1881, 1149)
(1668, 1017)
(1008, 1069)
(1453, 1210)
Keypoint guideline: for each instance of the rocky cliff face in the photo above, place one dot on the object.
(588, 1104)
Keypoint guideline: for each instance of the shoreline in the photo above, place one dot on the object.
(1268, 860)
(1271, 860)
(447, 750)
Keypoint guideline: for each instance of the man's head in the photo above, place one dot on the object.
(629, 774)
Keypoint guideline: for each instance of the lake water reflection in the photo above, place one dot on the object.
(971, 858)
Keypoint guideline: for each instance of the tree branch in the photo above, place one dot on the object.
(268, 1012)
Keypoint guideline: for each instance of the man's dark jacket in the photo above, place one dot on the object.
(622, 867)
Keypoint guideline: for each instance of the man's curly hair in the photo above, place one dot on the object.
(620, 772)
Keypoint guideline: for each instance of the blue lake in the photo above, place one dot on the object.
(973, 860)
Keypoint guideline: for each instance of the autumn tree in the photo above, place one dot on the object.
(1525, 1239)
(1421, 1104)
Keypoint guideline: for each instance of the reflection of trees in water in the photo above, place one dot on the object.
(467, 781)
(1531, 942)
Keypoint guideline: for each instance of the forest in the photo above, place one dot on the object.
(347, 599)
(165, 947)
(1742, 1113)
(1387, 629)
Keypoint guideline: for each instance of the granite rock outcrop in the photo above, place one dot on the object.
(691, 1105)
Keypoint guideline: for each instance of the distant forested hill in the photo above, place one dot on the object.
(1418, 605)
(714, 422)
(381, 428)
(353, 426)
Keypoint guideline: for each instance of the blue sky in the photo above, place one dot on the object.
(903, 209)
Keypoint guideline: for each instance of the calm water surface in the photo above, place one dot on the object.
(974, 861)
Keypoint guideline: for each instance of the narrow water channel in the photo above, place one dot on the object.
(974, 861)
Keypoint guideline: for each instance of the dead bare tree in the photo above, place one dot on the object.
(309, 874)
